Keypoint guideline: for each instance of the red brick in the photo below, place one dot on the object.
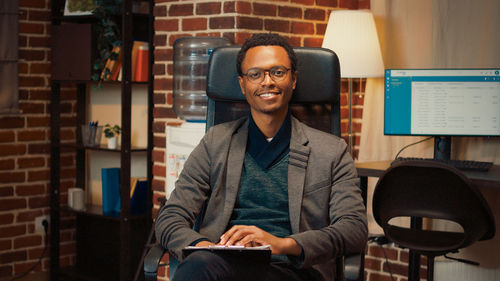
(25, 266)
(38, 121)
(31, 28)
(363, 4)
(158, 69)
(241, 37)
(163, 84)
(28, 216)
(6, 191)
(158, 185)
(7, 164)
(159, 141)
(23, 68)
(221, 23)
(31, 4)
(328, 3)
(159, 171)
(260, 9)
(378, 277)
(11, 122)
(313, 42)
(5, 245)
(39, 202)
(320, 29)
(36, 15)
(38, 148)
(158, 156)
(38, 175)
(12, 149)
(172, 38)
(229, 7)
(39, 42)
(243, 8)
(376, 251)
(181, 10)
(304, 2)
(36, 94)
(31, 81)
(67, 160)
(211, 8)
(314, 14)
(194, 24)
(348, 4)
(6, 219)
(160, 40)
(277, 25)
(163, 55)
(7, 177)
(163, 112)
(27, 108)
(39, 68)
(249, 23)
(158, 127)
(398, 269)
(31, 55)
(67, 173)
(27, 241)
(302, 28)
(67, 134)
(159, 11)
(166, 25)
(290, 12)
(30, 190)
(33, 135)
(12, 204)
(12, 257)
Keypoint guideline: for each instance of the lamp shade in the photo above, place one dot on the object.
(352, 35)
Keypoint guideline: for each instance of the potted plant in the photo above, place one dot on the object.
(112, 133)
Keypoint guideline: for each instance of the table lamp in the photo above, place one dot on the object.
(352, 35)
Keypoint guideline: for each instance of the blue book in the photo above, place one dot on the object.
(111, 200)
(139, 197)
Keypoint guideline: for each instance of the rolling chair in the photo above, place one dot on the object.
(315, 101)
(427, 189)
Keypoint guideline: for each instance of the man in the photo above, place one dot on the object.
(266, 179)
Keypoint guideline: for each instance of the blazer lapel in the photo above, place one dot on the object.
(297, 166)
(236, 156)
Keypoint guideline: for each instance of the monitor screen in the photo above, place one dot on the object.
(442, 102)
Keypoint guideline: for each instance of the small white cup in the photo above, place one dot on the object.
(76, 198)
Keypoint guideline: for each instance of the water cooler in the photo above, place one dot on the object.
(191, 56)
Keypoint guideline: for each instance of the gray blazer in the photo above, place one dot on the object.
(327, 214)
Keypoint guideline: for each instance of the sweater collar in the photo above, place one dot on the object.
(265, 153)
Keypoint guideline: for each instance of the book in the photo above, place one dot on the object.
(111, 65)
(138, 198)
(111, 200)
(135, 49)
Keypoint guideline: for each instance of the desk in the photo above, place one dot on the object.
(489, 179)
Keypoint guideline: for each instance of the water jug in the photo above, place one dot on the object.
(191, 56)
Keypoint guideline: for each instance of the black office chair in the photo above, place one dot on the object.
(315, 101)
(426, 189)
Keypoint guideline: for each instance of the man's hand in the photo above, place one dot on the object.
(251, 236)
(204, 243)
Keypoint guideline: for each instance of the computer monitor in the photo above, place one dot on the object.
(442, 103)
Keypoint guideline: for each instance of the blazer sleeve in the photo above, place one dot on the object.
(175, 220)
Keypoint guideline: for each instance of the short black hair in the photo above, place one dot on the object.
(266, 39)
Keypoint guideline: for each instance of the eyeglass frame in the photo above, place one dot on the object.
(268, 71)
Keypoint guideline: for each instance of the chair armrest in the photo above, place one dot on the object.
(354, 267)
(152, 261)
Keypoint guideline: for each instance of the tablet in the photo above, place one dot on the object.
(255, 254)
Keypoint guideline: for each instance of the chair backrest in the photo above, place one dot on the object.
(428, 189)
(315, 100)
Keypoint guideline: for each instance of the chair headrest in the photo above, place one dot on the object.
(318, 78)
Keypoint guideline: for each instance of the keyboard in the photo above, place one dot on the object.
(459, 164)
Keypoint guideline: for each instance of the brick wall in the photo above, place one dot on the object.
(302, 22)
(25, 150)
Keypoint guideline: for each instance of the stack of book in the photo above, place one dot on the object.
(140, 61)
(111, 200)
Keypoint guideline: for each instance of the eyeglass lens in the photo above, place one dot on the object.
(276, 73)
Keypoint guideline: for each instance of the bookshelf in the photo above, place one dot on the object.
(107, 248)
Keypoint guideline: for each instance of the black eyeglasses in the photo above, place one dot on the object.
(256, 75)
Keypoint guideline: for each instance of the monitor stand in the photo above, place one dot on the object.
(442, 147)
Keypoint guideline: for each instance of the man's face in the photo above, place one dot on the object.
(268, 96)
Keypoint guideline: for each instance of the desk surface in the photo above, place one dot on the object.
(489, 179)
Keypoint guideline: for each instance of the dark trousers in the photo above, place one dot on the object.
(209, 266)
